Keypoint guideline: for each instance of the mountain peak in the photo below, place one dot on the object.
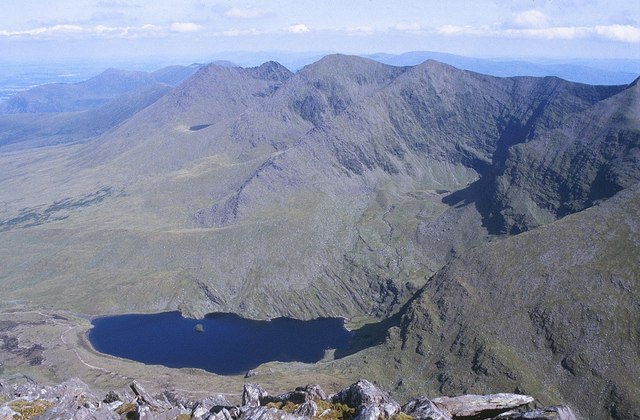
(272, 70)
(346, 64)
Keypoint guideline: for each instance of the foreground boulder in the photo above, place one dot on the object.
(145, 398)
(211, 406)
(424, 409)
(365, 396)
(480, 405)
(252, 394)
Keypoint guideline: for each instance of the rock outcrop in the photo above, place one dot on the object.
(368, 400)
(473, 405)
(361, 401)
(423, 408)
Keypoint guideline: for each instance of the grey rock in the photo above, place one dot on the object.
(211, 407)
(223, 414)
(472, 405)
(314, 393)
(111, 397)
(235, 412)
(169, 414)
(369, 412)
(112, 406)
(88, 414)
(178, 400)
(144, 412)
(146, 399)
(423, 409)
(252, 394)
(364, 393)
(264, 413)
(301, 395)
(546, 413)
(60, 411)
(215, 403)
(307, 409)
(72, 399)
(6, 413)
(200, 412)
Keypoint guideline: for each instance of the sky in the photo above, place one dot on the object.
(200, 30)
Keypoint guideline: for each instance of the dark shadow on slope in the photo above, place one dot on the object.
(369, 335)
(479, 194)
(512, 131)
(375, 333)
(199, 127)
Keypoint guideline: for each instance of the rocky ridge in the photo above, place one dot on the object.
(362, 400)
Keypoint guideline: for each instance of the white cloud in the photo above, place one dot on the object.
(408, 27)
(97, 31)
(454, 30)
(621, 33)
(185, 27)
(241, 32)
(530, 19)
(624, 33)
(299, 28)
(106, 4)
(360, 30)
(560, 32)
(150, 27)
(55, 30)
(247, 13)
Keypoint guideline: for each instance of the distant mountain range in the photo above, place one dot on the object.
(594, 71)
(488, 225)
(97, 91)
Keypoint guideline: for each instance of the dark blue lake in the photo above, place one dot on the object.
(228, 345)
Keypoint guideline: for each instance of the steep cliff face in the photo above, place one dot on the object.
(587, 158)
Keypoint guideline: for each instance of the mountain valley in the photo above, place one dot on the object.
(478, 233)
